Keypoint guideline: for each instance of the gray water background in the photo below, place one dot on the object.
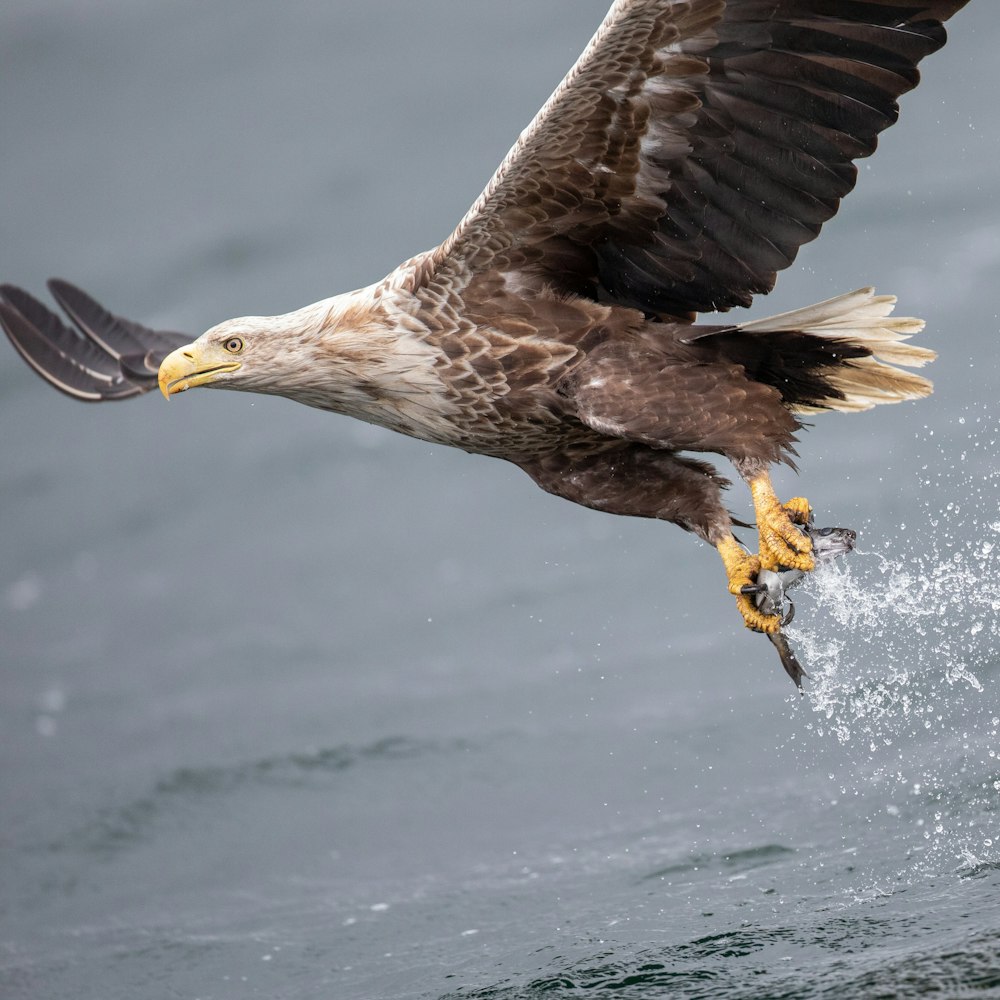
(293, 707)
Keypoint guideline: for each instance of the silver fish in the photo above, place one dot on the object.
(771, 590)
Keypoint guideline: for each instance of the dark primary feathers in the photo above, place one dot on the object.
(101, 357)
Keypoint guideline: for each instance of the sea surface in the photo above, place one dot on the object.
(291, 707)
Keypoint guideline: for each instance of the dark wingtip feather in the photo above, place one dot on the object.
(102, 357)
(57, 368)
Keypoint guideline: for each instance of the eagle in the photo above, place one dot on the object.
(691, 150)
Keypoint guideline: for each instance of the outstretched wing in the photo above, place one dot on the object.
(695, 146)
(100, 357)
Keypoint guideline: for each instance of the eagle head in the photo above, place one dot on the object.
(252, 353)
(343, 354)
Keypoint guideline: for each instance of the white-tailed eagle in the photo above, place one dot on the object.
(689, 153)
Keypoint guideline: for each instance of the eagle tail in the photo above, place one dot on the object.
(849, 347)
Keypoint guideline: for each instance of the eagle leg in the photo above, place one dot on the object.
(782, 544)
(742, 568)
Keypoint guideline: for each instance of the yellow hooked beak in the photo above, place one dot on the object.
(188, 367)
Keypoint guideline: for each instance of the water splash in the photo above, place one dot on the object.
(903, 650)
(893, 635)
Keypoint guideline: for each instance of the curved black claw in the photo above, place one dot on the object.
(789, 660)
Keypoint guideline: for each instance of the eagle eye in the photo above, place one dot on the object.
(234, 345)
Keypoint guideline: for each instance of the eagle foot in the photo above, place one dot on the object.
(742, 568)
(783, 543)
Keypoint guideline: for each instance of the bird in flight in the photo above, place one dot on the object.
(688, 154)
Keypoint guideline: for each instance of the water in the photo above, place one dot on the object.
(296, 708)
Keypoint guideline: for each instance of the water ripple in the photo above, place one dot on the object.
(117, 828)
(743, 860)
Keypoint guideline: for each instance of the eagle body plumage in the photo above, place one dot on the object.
(695, 146)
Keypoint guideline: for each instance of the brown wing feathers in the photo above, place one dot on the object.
(698, 144)
(795, 91)
(787, 105)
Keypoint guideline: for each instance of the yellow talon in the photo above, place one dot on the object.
(798, 510)
(782, 544)
(742, 568)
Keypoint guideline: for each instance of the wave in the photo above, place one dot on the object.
(853, 960)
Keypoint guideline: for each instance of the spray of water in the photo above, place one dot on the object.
(903, 649)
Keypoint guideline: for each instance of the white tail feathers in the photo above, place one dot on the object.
(862, 319)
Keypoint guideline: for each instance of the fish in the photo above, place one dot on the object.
(771, 589)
